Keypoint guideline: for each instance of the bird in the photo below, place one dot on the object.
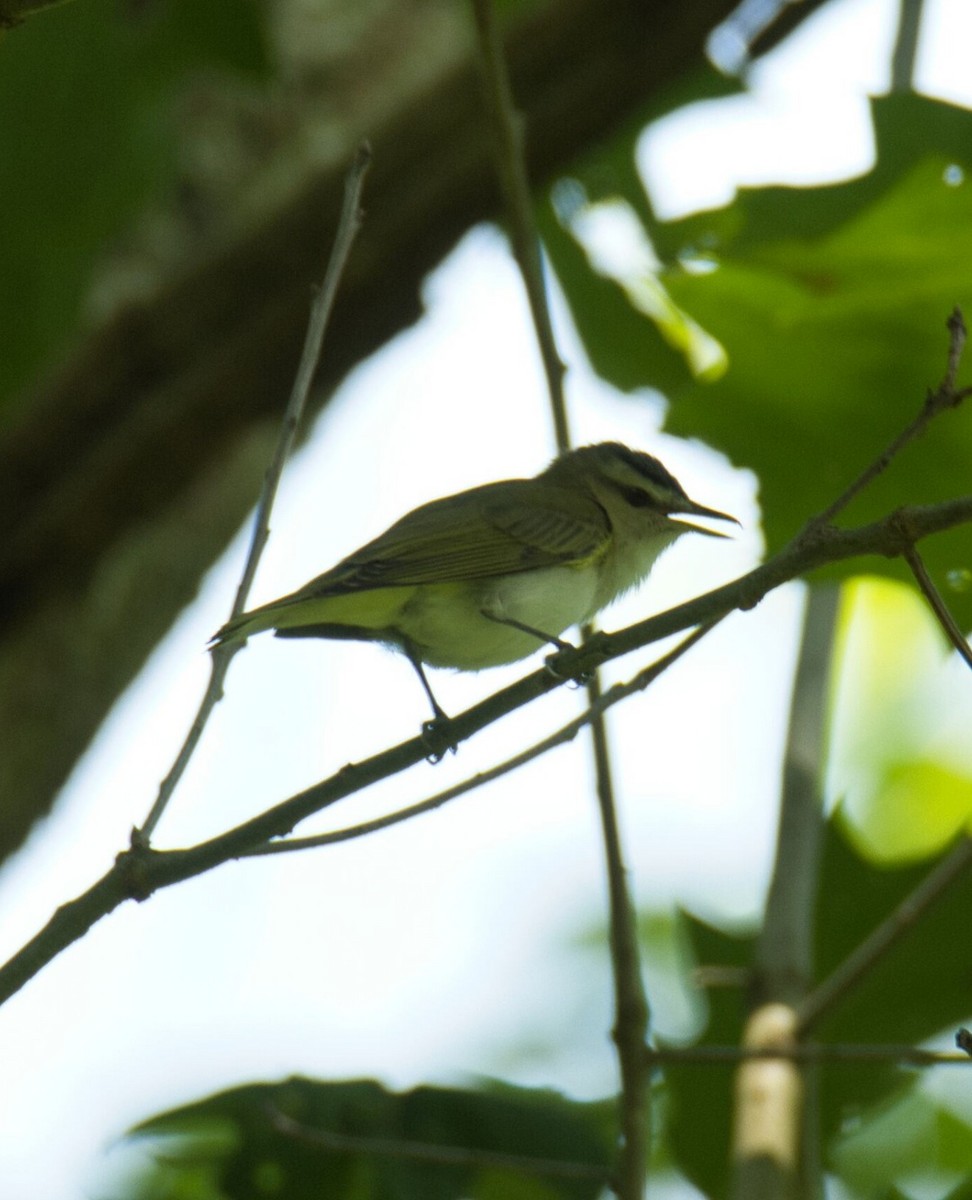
(489, 575)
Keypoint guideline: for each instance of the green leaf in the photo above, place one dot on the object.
(623, 346)
(910, 1140)
(417, 1145)
(830, 304)
(900, 760)
(918, 987)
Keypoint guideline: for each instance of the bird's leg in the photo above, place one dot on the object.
(537, 633)
(435, 733)
(550, 661)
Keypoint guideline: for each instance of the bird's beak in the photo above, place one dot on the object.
(699, 510)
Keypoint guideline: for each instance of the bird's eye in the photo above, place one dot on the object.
(636, 497)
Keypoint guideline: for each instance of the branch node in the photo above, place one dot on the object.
(132, 865)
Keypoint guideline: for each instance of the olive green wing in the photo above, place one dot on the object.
(497, 529)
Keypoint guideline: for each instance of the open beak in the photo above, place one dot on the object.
(699, 510)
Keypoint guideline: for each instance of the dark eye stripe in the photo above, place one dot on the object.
(636, 497)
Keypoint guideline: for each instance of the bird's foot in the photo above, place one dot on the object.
(438, 737)
(551, 667)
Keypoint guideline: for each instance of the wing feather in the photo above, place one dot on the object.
(497, 529)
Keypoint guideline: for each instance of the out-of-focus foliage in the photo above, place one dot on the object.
(798, 331)
(900, 771)
(88, 135)
(228, 1145)
(829, 304)
(900, 761)
(893, 1141)
(919, 988)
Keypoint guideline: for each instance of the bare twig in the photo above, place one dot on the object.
(348, 226)
(139, 872)
(630, 1001)
(840, 982)
(631, 1004)
(806, 1052)
(507, 127)
(939, 607)
(945, 396)
(906, 45)
(561, 737)
(431, 1152)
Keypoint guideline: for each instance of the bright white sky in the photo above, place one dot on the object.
(430, 951)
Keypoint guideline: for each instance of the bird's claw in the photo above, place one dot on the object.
(438, 738)
(550, 665)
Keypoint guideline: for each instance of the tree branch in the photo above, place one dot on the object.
(807, 1052)
(945, 396)
(138, 872)
(837, 985)
(566, 733)
(511, 165)
(938, 605)
(775, 1135)
(631, 1002)
(320, 315)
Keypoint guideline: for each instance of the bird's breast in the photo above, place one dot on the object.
(461, 625)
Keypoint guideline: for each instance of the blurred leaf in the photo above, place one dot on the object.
(700, 1096)
(830, 303)
(918, 807)
(229, 1145)
(87, 136)
(911, 1141)
(908, 129)
(922, 985)
(900, 759)
(623, 346)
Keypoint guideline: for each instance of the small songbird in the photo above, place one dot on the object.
(488, 576)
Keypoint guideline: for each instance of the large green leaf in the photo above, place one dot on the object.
(830, 304)
(229, 1145)
(623, 346)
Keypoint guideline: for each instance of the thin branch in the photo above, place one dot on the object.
(784, 952)
(939, 607)
(945, 396)
(564, 735)
(507, 129)
(805, 1052)
(430, 1152)
(906, 45)
(140, 871)
(840, 982)
(777, 1139)
(631, 1003)
(222, 656)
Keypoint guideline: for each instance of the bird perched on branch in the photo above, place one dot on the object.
(487, 576)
